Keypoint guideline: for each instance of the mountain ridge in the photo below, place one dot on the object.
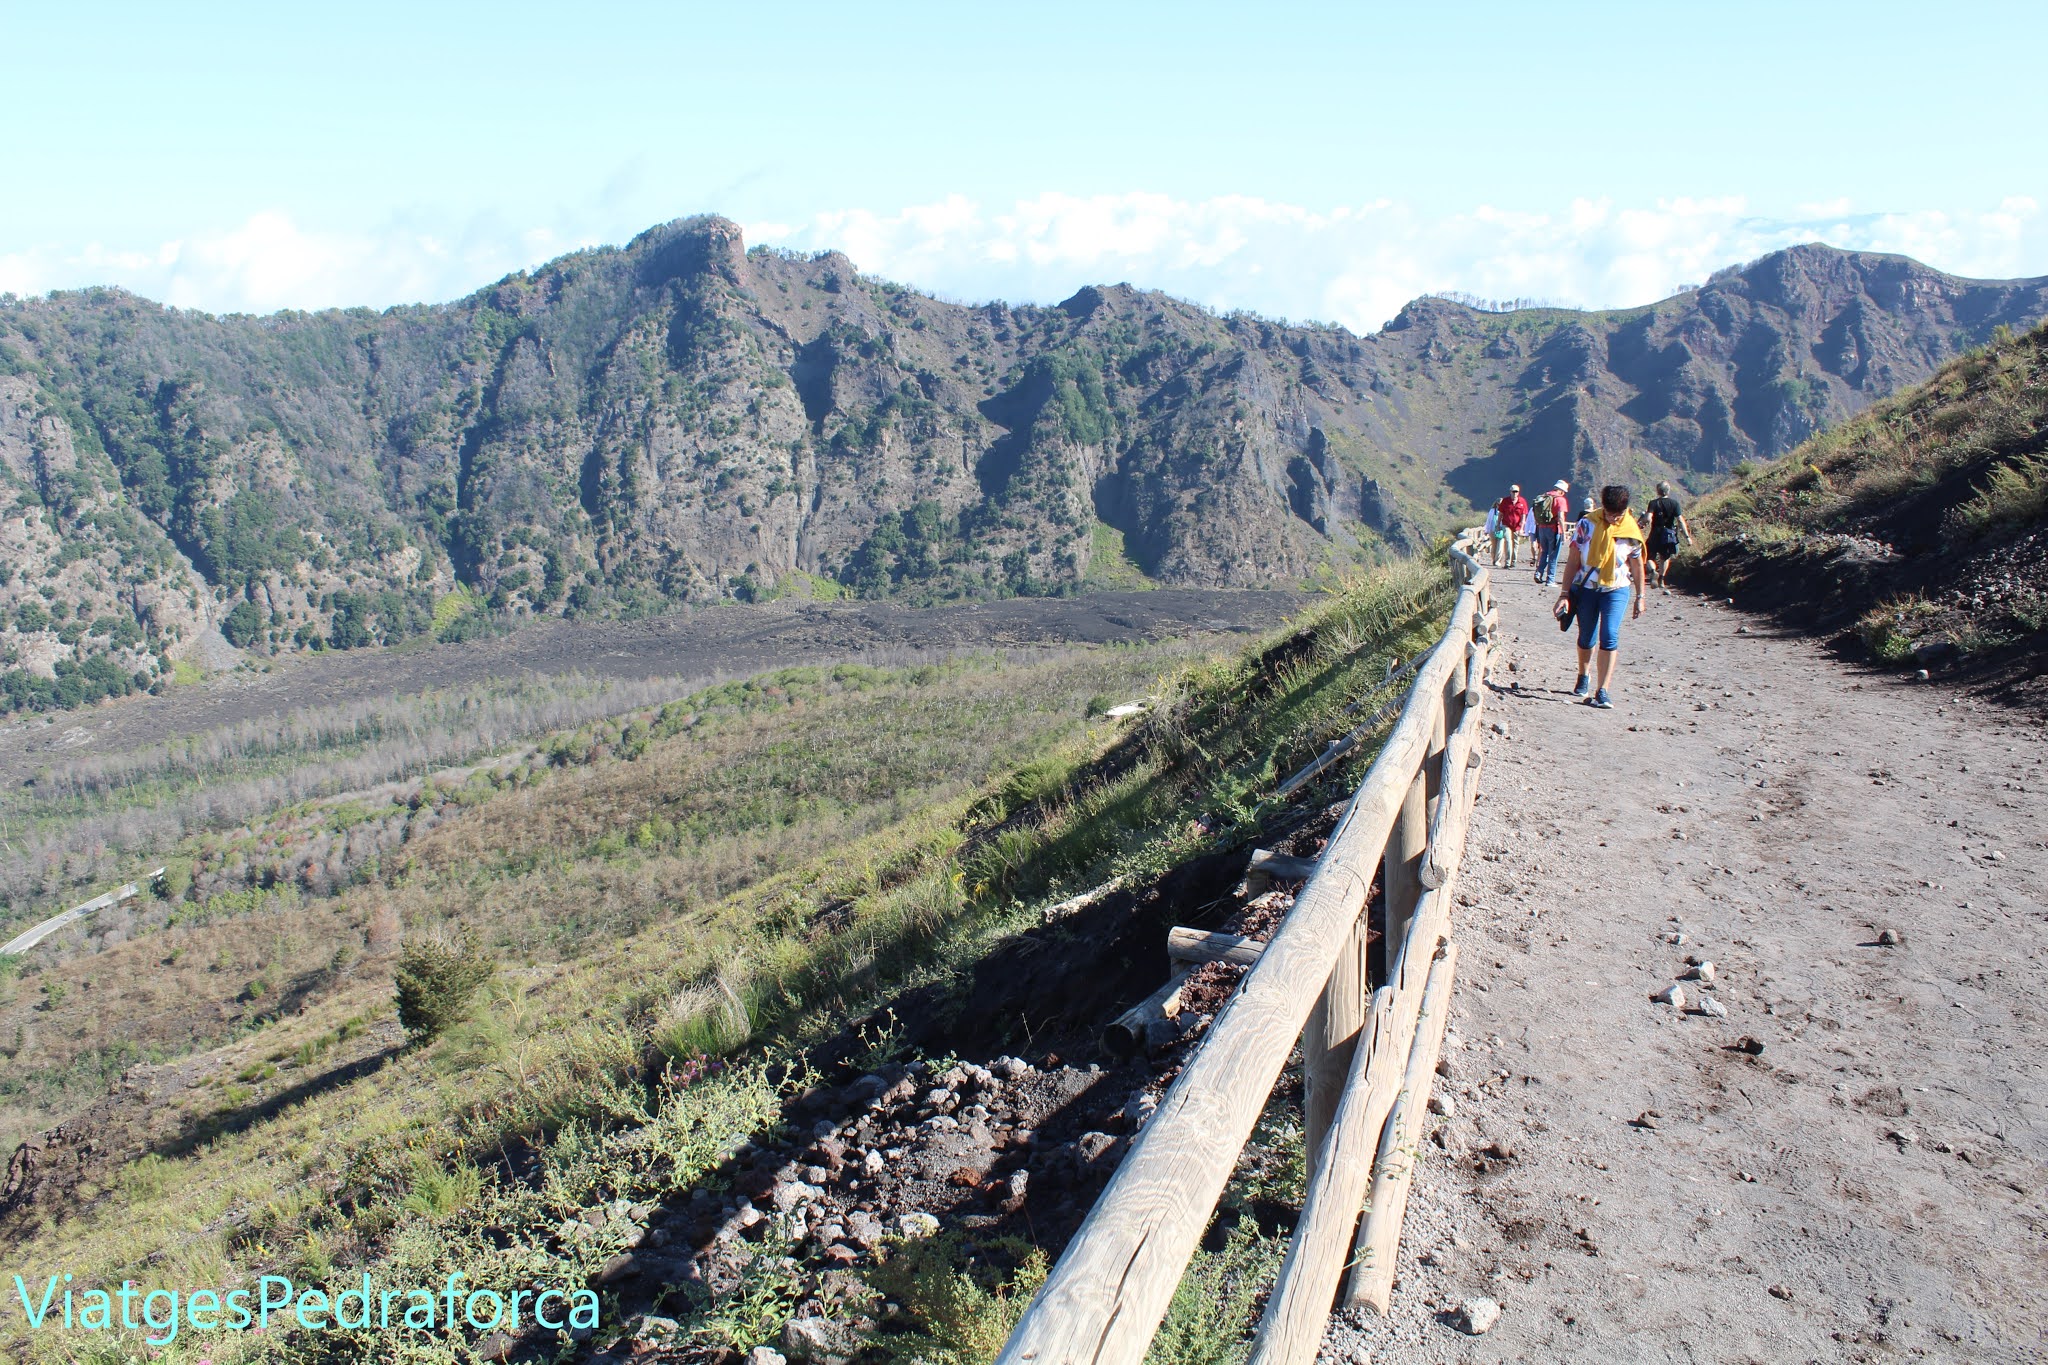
(684, 420)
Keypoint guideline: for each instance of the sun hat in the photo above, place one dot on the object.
(1561, 485)
(1514, 488)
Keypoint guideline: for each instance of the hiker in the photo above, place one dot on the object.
(1667, 519)
(1552, 512)
(1603, 577)
(1494, 534)
(1514, 516)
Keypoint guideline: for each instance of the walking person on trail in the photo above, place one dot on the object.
(1495, 534)
(1667, 519)
(1552, 513)
(1603, 576)
(1514, 518)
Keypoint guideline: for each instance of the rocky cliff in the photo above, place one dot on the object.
(685, 420)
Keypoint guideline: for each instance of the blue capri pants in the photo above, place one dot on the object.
(1602, 610)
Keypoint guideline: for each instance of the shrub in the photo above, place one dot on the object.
(437, 1191)
(2015, 496)
(963, 1303)
(707, 1019)
(244, 625)
(435, 982)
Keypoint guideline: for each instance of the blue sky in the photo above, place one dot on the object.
(1308, 160)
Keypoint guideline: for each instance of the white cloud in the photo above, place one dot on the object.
(1354, 263)
(269, 262)
(1357, 264)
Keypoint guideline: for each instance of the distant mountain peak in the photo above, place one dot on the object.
(677, 420)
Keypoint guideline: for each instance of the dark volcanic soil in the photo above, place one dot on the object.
(694, 647)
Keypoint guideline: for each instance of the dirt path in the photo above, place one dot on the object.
(1870, 1186)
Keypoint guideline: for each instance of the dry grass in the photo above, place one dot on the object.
(1984, 414)
(629, 824)
(930, 814)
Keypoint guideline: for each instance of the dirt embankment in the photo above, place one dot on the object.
(1845, 1156)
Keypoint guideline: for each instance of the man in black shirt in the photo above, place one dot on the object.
(1667, 519)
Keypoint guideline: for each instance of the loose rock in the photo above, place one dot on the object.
(815, 1340)
(653, 1328)
(1475, 1317)
(620, 1267)
(496, 1347)
(1672, 995)
(917, 1225)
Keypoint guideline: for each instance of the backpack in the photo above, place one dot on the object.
(1546, 510)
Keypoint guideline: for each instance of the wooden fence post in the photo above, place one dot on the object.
(1393, 1172)
(1403, 870)
(1329, 1040)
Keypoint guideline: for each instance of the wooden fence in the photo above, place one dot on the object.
(1369, 1053)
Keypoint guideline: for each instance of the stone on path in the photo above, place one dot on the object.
(1475, 1316)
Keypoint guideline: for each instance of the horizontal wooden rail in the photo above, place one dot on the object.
(1107, 1294)
(1208, 945)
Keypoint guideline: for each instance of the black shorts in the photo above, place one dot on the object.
(1663, 544)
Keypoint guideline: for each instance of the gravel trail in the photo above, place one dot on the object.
(1851, 1164)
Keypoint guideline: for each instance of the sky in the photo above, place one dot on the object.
(1308, 161)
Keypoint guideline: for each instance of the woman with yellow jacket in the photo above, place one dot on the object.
(1603, 576)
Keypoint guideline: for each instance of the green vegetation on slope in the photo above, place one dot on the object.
(676, 912)
(586, 837)
(1922, 521)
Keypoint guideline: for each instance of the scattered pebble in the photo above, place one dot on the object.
(1672, 995)
(1753, 1046)
(1780, 1291)
(1890, 938)
(766, 1355)
(1712, 1008)
(1647, 1119)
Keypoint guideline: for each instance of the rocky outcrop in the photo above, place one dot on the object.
(683, 419)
